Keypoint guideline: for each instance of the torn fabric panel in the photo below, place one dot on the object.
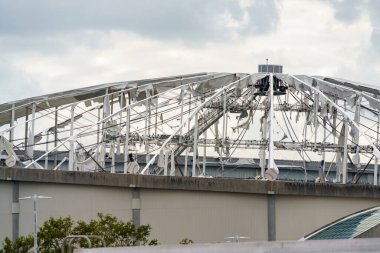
(272, 173)
(30, 144)
(324, 107)
(133, 167)
(122, 100)
(167, 85)
(244, 125)
(256, 77)
(339, 155)
(38, 137)
(356, 160)
(112, 150)
(214, 83)
(243, 114)
(308, 116)
(284, 137)
(262, 157)
(106, 107)
(100, 154)
(172, 164)
(118, 146)
(334, 90)
(334, 126)
(373, 102)
(297, 116)
(161, 159)
(112, 129)
(64, 123)
(315, 110)
(297, 84)
(87, 103)
(87, 165)
(181, 95)
(351, 101)
(375, 152)
(6, 146)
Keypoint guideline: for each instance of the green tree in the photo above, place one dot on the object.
(52, 233)
(115, 232)
(186, 241)
(20, 245)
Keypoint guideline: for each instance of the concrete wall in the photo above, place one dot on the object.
(203, 216)
(82, 202)
(5, 209)
(204, 210)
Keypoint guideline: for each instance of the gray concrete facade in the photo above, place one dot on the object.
(202, 209)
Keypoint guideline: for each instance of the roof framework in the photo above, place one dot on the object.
(266, 116)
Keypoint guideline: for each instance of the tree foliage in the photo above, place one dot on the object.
(186, 241)
(52, 233)
(20, 245)
(115, 232)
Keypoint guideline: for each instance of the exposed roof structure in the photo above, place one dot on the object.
(266, 116)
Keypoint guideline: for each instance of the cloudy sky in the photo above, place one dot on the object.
(54, 45)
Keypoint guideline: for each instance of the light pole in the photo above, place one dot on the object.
(35, 197)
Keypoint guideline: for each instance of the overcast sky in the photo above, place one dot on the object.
(54, 45)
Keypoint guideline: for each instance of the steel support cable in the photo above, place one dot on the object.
(38, 117)
(225, 110)
(219, 92)
(360, 173)
(278, 123)
(42, 134)
(164, 111)
(110, 85)
(115, 137)
(347, 136)
(99, 122)
(361, 124)
(89, 133)
(90, 145)
(240, 139)
(67, 118)
(101, 96)
(298, 151)
(329, 123)
(94, 131)
(295, 133)
(172, 118)
(338, 132)
(134, 121)
(362, 94)
(244, 131)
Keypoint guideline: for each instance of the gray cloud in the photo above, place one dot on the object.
(14, 84)
(265, 14)
(166, 19)
(373, 10)
(348, 11)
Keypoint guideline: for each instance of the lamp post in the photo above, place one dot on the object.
(35, 197)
